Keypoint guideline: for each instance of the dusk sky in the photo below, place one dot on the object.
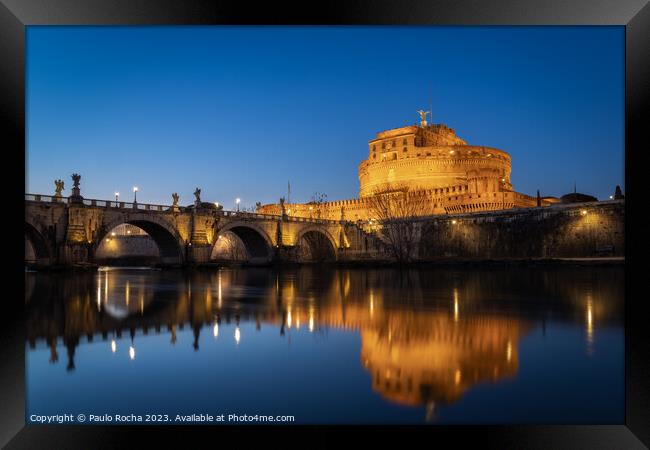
(240, 111)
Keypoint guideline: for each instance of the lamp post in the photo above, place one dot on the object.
(135, 194)
(237, 200)
(117, 194)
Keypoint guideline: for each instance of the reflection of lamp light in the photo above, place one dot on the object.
(132, 352)
(237, 335)
(215, 330)
(509, 351)
(289, 318)
(113, 346)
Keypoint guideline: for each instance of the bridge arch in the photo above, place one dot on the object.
(38, 243)
(257, 242)
(164, 234)
(316, 244)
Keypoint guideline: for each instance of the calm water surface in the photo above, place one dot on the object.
(331, 345)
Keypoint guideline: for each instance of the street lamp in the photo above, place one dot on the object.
(238, 200)
(135, 194)
(117, 194)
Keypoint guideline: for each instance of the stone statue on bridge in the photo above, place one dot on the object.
(197, 194)
(76, 193)
(175, 198)
(59, 187)
(283, 212)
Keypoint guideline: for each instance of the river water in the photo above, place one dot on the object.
(325, 345)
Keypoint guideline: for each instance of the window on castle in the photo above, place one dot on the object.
(404, 141)
(404, 150)
(428, 153)
(383, 145)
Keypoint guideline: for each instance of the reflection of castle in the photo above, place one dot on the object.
(416, 352)
(430, 159)
(434, 359)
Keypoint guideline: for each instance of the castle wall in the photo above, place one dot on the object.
(562, 231)
(425, 168)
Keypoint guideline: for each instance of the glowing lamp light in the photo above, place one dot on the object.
(611, 197)
(113, 233)
(135, 189)
(128, 231)
(583, 212)
(454, 222)
(451, 152)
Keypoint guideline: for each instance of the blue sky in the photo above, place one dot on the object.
(239, 111)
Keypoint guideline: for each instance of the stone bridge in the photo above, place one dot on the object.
(67, 231)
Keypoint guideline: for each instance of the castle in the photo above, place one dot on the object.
(427, 160)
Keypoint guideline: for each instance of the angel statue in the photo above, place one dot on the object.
(59, 187)
(175, 198)
(282, 211)
(75, 179)
(197, 194)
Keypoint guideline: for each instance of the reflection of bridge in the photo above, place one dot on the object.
(413, 356)
(424, 339)
(66, 231)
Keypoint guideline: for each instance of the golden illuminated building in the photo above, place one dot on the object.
(428, 159)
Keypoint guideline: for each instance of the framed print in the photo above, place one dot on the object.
(378, 217)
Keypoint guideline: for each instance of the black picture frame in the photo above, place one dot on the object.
(15, 15)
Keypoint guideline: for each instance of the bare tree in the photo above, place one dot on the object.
(316, 203)
(394, 210)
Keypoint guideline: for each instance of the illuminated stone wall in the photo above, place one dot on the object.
(125, 247)
(561, 231)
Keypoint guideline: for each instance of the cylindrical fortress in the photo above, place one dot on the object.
(431, 157)
(429, 161)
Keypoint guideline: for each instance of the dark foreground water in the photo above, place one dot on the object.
(329, 346)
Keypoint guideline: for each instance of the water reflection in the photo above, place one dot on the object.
(417, 350)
